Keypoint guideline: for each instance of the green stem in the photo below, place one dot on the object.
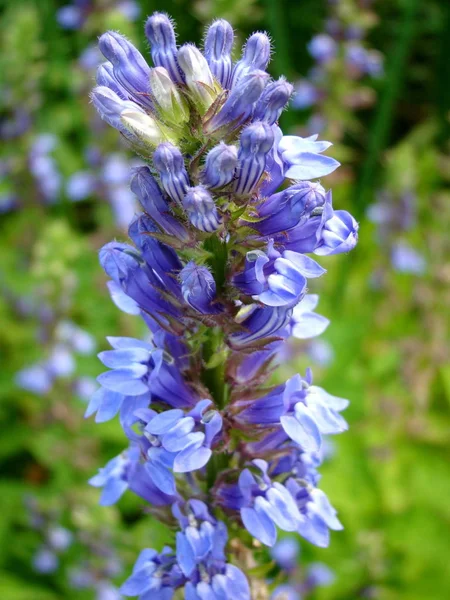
(383, 120)
(214, 377)
(281, 64)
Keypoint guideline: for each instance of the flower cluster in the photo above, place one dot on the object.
(394, 218)
(342, 62)
(93, 572)
(219, 271)
(74, 15)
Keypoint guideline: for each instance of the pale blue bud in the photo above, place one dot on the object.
(130, 68)
(218, 46)
(201, 209)
(161, 35)
(169, 163)
(220, 166)
(255, 55)
(110, 106)
(272, 101)
(256, 141)
(105, 77)
(239, 104)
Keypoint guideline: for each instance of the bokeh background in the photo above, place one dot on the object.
(373, 77)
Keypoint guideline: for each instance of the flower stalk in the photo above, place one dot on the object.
(219, 271)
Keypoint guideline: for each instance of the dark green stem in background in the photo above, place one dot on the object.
(443, 77)
(382, 125)
(281, 64)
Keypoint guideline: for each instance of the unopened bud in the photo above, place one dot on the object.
(220, 166)
(272, 101)
(201, 209)
(255, 55)
(161, 35)
(172, 105)
(199, 78)
(145, 128)
(239, 104)
(256, 141)
(169, 162)
(218, 46)
(130, 68)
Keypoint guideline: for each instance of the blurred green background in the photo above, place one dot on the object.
(63, 193)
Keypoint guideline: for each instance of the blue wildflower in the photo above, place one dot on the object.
(219, 273)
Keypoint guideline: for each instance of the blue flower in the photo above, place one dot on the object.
(305, 322)
(290, 208)
(303, 157)
(406, 259)
(276, 279)
(178, 442)
(339, 234)
(113, 479)
(322, 48)
(199, 288)
(260, 325)
(219, 261)
(154, 576)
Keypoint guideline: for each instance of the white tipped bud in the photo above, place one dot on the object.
(199, 78)
(171, 103)
(145, 127)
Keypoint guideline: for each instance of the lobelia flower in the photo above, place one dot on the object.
(219, 272)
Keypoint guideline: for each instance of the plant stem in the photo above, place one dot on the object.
(382, 124)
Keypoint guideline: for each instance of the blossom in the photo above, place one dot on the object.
(219, 271)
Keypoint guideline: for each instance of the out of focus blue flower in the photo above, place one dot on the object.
(45, 561)
(322, 48)
(407, 260)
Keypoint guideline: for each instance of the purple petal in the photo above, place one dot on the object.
(259, 525)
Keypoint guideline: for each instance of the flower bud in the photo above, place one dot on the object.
(256, 141)
(199, 78)
(201, 209)
(198, 288)
(218, 46)
(147, 129)
(161, 35)
(340, 234)
(260, 323)
(144, 185)
(130, 68)
(172, 105)
(288, 208)
(116, 259)
(255, 55)
(110, 106)
(105, 77)
(272, 101)
(169, 162)
(220, 166)
(239, 104)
